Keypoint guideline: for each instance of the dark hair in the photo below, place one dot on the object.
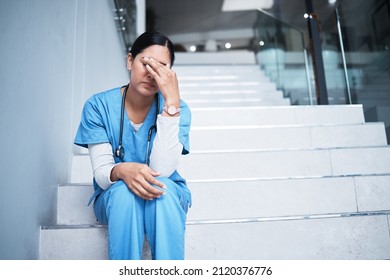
(148, 39)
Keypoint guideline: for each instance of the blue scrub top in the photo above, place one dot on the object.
(100, 123)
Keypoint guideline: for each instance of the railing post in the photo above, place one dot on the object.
(316, 50)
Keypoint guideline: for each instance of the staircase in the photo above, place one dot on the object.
(269, 180)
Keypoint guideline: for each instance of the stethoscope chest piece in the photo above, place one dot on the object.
(120, 152)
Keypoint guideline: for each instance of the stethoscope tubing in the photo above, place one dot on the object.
(120, 152)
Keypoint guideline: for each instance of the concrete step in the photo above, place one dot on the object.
(227, 76)
(207, 70)
(285, 163)
(283, 137)
(278, 115)
(217, 69)
(233, 102)
(215, 58)
(73, 243)
(243, 93)
(362, 237)
(72, 205)
(240, 97)
(334, 236)
(223, 199)
(77, 242)
(227, 85)
(236, 164)
(287, 137)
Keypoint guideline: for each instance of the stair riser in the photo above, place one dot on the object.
(302, 115)
(215, 58)
(335, 238)
(74, 244)
(227, 94)
(216, 69)
(268, 164)
(287, 137)
(202, 139)
(219, 86)
(337, 162)
(229, 200)
(228, 78)
(73, 206)
(202, 103)
(339, 238)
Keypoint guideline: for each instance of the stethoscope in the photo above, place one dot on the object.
(120, 151)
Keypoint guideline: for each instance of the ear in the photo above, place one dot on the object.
(129, 61)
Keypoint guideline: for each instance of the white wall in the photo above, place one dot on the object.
(53, 54)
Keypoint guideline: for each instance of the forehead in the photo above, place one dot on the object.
(157, 52)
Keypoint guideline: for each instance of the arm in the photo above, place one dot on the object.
(167, 149)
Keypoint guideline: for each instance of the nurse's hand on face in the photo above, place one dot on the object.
(139, 178)
(166, 80)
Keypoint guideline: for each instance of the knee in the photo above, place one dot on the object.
(120, 194)
(165, 180)
(171, 187)
(177, 193)
(115, 197)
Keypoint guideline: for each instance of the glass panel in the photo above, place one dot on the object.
(281, 54)
(365, 31)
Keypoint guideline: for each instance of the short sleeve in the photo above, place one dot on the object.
(185, 124)
(91, 129)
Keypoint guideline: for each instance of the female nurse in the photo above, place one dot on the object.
(136, 135)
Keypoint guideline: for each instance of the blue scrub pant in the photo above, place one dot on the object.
(129, 217)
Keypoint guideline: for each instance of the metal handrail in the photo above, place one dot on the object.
(343, 54)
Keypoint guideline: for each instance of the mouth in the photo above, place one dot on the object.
(149, 85)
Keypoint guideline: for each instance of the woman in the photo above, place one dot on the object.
(137, 188)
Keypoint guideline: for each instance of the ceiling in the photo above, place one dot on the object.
(180, 17)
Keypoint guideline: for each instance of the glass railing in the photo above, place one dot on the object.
(355, 50)
(281, 53)
(357, 57)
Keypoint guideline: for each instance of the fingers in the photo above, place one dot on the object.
(155, 64)
(165, 78)
(144, 184)
(143, 189)
(157, 69)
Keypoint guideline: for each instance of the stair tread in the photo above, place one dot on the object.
(352, 237)
(321, 195)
